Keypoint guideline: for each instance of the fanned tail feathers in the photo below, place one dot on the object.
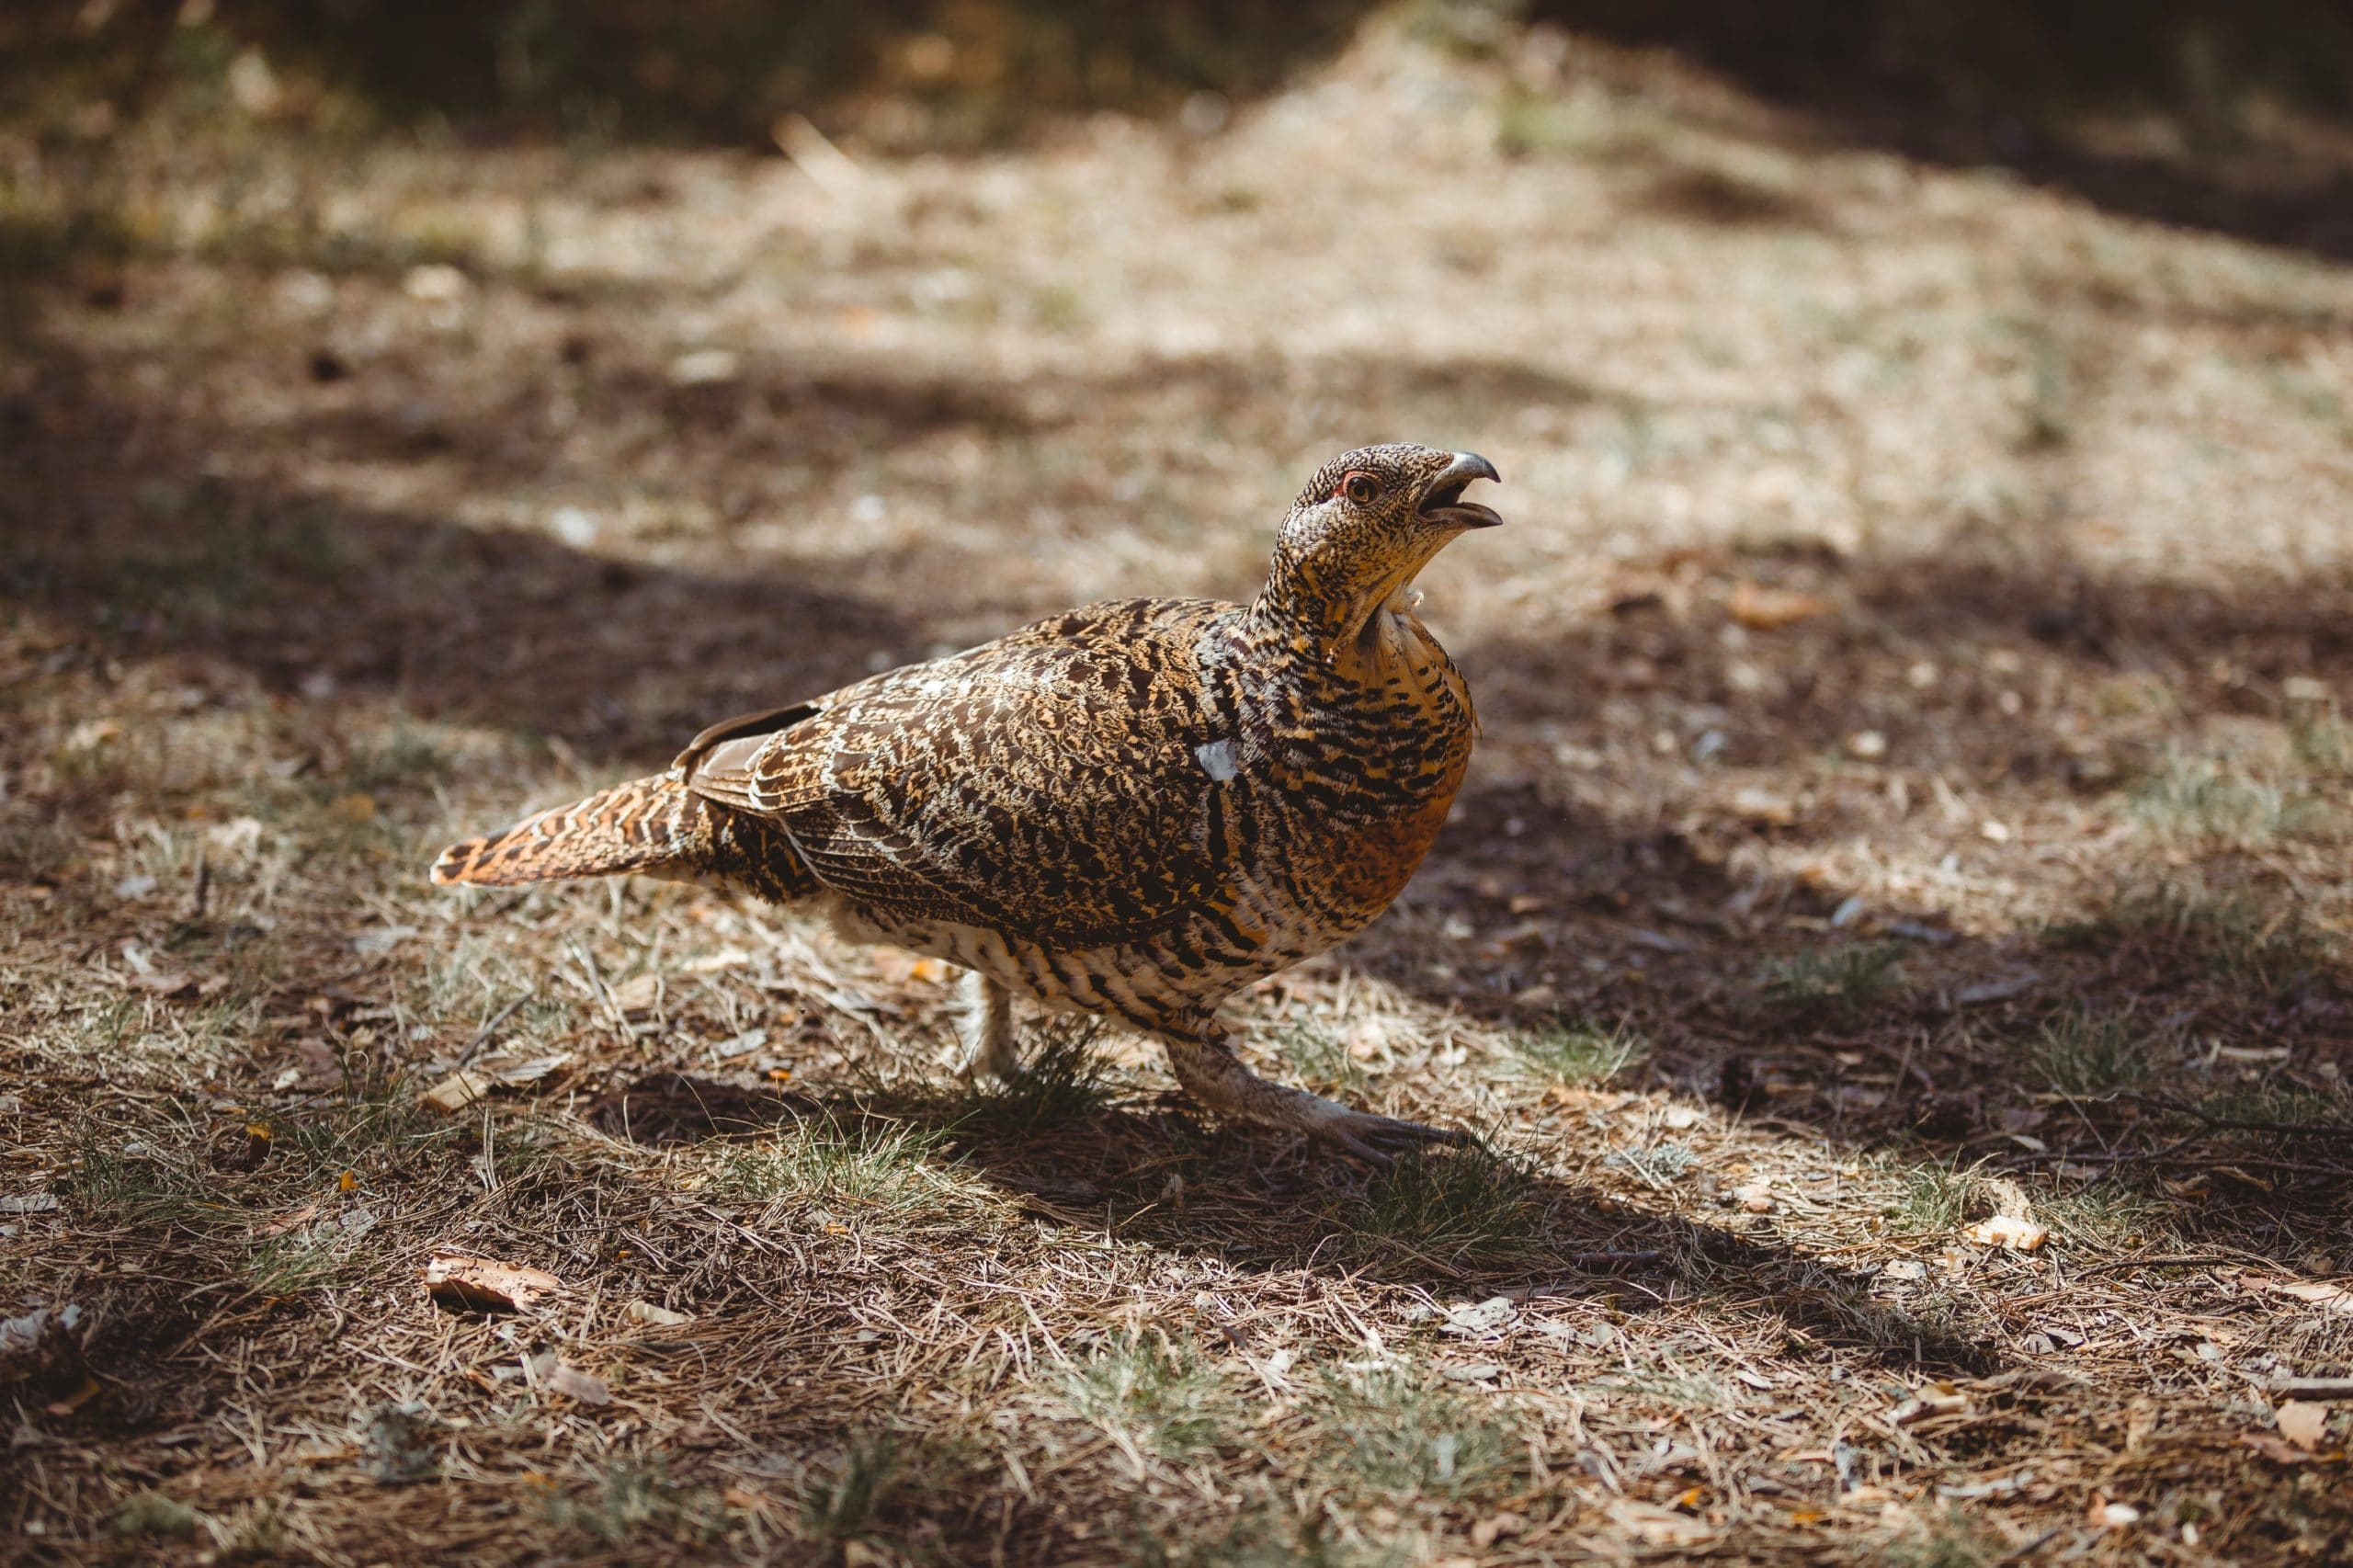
(647, 824)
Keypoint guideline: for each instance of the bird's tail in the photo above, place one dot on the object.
(653, 825)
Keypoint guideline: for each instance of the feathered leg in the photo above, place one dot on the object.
(990, 1050)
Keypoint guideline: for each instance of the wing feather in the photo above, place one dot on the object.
(1048, 784)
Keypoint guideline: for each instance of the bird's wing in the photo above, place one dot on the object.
(1051, 784)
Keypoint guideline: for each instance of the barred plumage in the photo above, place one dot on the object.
(1134, 809)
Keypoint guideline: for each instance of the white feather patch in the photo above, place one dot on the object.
(1217, 760)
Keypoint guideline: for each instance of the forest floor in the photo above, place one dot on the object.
(1912, 795)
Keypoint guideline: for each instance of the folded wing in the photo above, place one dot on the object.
(1048, 784)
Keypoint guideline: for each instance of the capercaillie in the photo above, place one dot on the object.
(1132, 809)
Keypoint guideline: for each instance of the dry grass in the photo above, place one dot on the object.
(1912, 792)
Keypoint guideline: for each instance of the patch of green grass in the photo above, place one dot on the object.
(2197, 801)
(1580, 1055)
(1953, 1541)
(631, 1499)
(1933, 1199)
(289, 1266)
(1405, 1431)
(1319, 1060)
(1675, 1386)
(1152, 1398)
(2110, 1214)
(2287, 1104)
(34, 845)
(405, 755)
(1661, 1164)
(1272, 1530)
(120, 1181)
(1058, 309)
(155, 1516)
(380, 1123)
(1061, 1080)
(1449, 1205)
(2323, 747)
(2084, 1052)
(2261, 944)
(840, 1504)
(2048, 419)
(1843, 974)
(873, 1168)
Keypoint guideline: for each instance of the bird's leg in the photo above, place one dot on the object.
(989, 1048)
(1205, 1064)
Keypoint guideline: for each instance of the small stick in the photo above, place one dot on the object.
(2314, 1388)
(482, 1035)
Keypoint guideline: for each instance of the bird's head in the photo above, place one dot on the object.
(1366, 524)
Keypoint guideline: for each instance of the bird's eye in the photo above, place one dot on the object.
(1361, 488)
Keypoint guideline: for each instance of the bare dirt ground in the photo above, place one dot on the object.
(1911, 795)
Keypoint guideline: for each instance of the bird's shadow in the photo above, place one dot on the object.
(1471, 1223)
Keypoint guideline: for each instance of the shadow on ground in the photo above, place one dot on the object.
(1470, 1220)
(2008, 85)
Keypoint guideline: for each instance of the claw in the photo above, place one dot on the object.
(1363, 1134)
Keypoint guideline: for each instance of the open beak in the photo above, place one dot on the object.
(1444, 502)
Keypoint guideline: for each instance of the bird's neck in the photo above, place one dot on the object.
(1344, 646)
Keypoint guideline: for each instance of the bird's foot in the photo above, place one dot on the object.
(1213, 1075)
(1376, 1140)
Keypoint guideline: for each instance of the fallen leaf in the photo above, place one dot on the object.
(1766, 608)
(2000, 990)
(1936, 1398)
(27, 1333)
(1659, 1527)
(1757, 804)
(2272, 1449)
(2007, 1230)
(705, 368)
(1474, 1373)
(639, 994)
(354, 807)
(573, 1383)
(293, 1218)
(91, 733)
(2302, 1421)
(529, 1072)
(1480, 1321)
(481, 1284)
(149, 976)
(74, 1401)
(456, 1091)
(1757, 1197)
(29, 1203)
(380, 940)
(659, 1317)
(1495, 1528)
(2333, 1298)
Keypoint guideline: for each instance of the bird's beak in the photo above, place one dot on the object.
(1444, 503)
